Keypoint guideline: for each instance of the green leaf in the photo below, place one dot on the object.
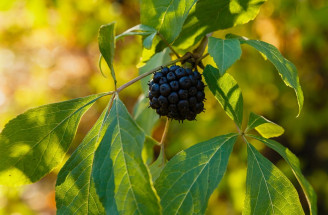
(143, 30)
(226, 91)
(148, 150)
(157, 167)
(145, 117)
(294, 163)
(35, 142)
(148, 41)
(75, 188)
(106, 40)
(224, 52)
(122, 180)
(265, 127)
(212, 15)
(268, 190)
(167, 16)
(286, 69)
(190, 177)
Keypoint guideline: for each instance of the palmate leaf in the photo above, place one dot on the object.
(122, 180)
(35, 142)
(268, 190)
(212, 15)
(286, 69)
(190, 177)
(166, 16)
(294, 163)
(224, 52)
(265, 127)
(226, 91)
(75, 188)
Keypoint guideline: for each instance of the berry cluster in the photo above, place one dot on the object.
(177, 93)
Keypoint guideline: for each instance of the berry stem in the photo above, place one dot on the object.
(186, 56)
(168, 45)
(167, 123)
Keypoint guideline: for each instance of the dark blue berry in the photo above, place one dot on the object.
(163, 80)
(173, 98)
(165, 89)
(174, 85)
(170, 76)
(193, 80)
(165, 70)
(200, 96)
(192, 101)
(183, 106)
(183, 94)
(189, 71)
(199, 107)
(174, 67)
(180, 72)
(192, 91)
(197, 75)
(154, 103)
(185, 82)
(157, 77)
(163, 101)
(155, 90)
(200, 85)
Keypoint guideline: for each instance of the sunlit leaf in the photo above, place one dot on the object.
(167, 16)
(106, 40)
(224, 52)
(35, 142)
(148, 150)
(143, 30)
(157, 167)
(189, 178)
(212, 15)
(148, 41)
(268, 190)
(265, 127)
(122, 180)
(294, 163)
(75, 188)
(226, 91)
(286, 69)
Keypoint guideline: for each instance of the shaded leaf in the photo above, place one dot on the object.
(106, 40)
(268, 190)
(265, 127)
(157, 167)
(226, 91)
(167, 16)
(190, 177)
(35, 142)
(294, 163)
(122, 180)
(212, 15)
(148, 150)
(224, 52)
(75, 188)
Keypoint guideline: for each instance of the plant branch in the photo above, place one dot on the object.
(168, 45)
(186, 56)
(167, 123)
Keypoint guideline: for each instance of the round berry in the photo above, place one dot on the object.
(173, 98)
(163, 80)
(183, 106)
(180, 72)
(189, 71)
(192, 91)
(170, 76)
(200, 85)
(174, 67)
(155, 90)
(192, 101)
(154, 103)
(199, 107)
(163, 101)
(185, 82)
(197, 75)
(165, 70)
(183, 94)
(165, 89)
(157, 77)
(174, 85)
(200, 96)
(193, 80)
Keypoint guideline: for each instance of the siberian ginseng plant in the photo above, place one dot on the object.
(113, 171)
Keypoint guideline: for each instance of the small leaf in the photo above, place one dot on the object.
(157, 167)
(224, 52)
(35, 142)
(189, 178)
(226, 91)
(148, 41)
(268, 190)
(265, 127)
(211, 15)
(122, 180)
(143, 30)
(167, 16)
(75, 188)
(286, 69)
(106, 40)
(148, 150)
(294, 164)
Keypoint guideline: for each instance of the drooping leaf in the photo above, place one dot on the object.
(212, 15)
(148, 150)
(148, 41)
(167, 16)
(294, 164)
(122, 180)
(143, 30)
(265, 127)
(145, 117)
(224, 52)
(226, 91)
(35, 142)
(268, 190)
(75, 188)
(190, 177)
(157, 167)
(106, 41)
(286, 69)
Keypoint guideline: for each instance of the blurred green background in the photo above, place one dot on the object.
(49, 53)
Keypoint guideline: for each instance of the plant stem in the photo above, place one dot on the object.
(151, 71)
(168, 45)
(167, 123)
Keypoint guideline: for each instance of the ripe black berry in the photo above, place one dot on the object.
(177, 93)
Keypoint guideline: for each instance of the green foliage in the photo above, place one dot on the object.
(35, 142)
(122, 180)
(265, 127)
(226, 91)
(190, 177)
(268, 190)
(224, 52)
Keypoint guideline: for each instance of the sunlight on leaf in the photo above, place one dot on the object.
(265, 127)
